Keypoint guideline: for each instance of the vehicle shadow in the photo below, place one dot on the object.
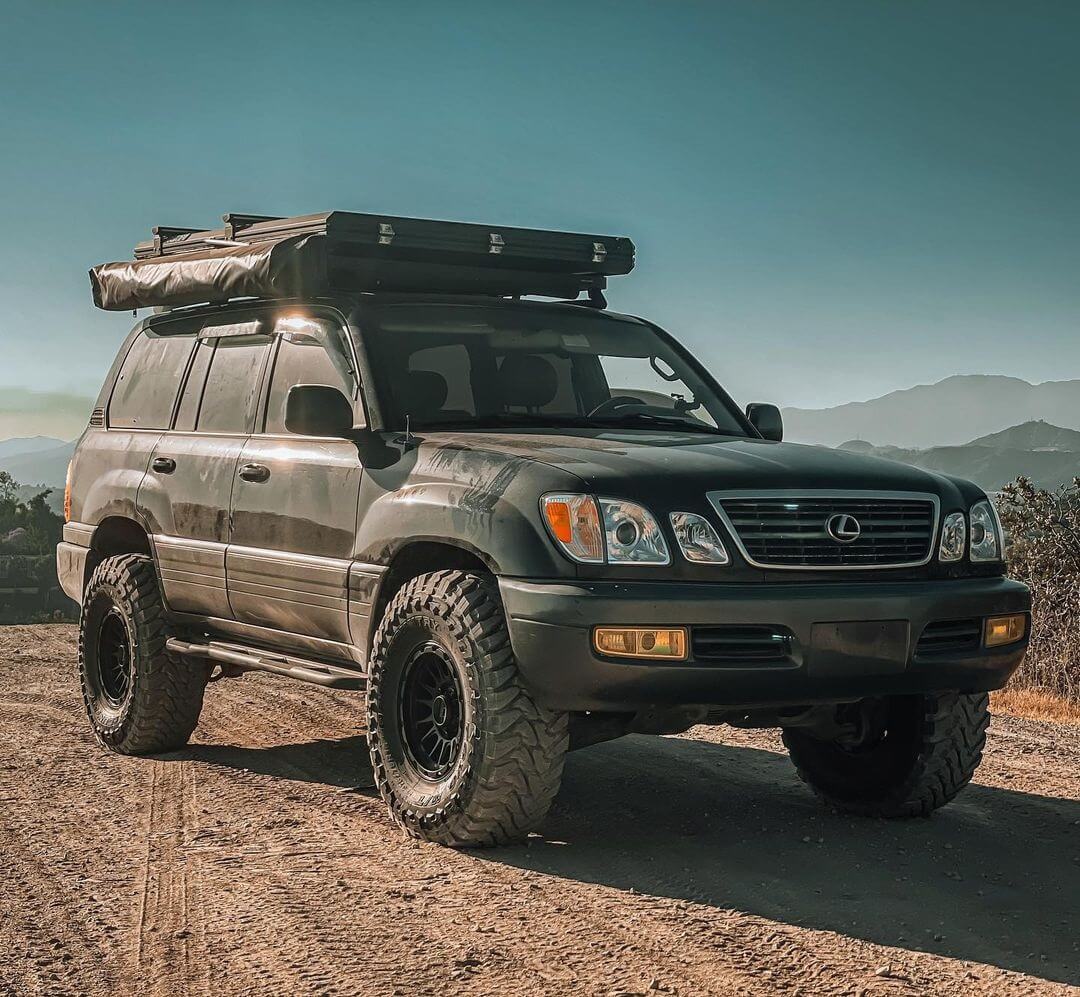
(994, 877)
(341, 762)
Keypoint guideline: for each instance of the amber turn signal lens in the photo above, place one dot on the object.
(639, 642)
(67, 495)
(558, 517)
(1004, 629)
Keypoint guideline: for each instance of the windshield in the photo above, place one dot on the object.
(498, 365)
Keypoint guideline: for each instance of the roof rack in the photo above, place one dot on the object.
(270, 256)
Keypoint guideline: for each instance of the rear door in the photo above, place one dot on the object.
(193, 469)
(295, 498)
(114, 461)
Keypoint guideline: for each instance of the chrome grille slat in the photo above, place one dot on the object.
(788, 529)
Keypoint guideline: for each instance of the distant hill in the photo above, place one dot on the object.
(993, 461)
(960, 408)
(40, 467)
(1036, 435)
(27, 445)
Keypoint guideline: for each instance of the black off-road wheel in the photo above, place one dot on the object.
(462, 754)
(920, 752)
(138, 697)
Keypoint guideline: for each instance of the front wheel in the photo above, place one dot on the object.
(914, 754)
(461, 752)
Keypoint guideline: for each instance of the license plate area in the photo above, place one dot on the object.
(859, 647)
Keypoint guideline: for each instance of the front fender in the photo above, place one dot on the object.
(485, 503)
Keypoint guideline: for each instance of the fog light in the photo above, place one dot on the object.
(639, 642)
(1004, 629)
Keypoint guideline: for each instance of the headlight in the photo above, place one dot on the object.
(697, 539)
(953, 537)
(986, 540)
(595, 531)
(633, 536)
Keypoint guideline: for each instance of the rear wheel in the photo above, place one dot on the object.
(461, 753)
(912, 755)
(139, 699)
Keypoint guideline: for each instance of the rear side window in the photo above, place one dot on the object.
(232, 384)
(146, 389)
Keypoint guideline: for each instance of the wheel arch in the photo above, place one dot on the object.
(113, 536)
(420, 557)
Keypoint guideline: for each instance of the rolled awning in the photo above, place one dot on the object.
(280, 269)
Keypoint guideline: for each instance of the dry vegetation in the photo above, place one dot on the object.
(1036, 704)
(1043, 528)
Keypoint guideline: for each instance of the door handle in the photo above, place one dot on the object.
(164, 465)
(254, 472)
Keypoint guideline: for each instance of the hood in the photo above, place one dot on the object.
(638, 465)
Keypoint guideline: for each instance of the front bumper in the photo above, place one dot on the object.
(551, 627)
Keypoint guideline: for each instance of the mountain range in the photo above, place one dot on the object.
(952, 412)
(42, 461)
(1047, 454)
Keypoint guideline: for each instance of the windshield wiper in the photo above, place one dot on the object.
(650, 418)
(538, 420)
(511, 419)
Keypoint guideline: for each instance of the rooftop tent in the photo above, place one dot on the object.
(311, 255)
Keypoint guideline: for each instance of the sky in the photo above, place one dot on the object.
(830, 200)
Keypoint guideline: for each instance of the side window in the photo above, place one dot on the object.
(310, 351)
(232, 384)
(146, 389)
(188, 412)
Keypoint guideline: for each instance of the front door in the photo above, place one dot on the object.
(189, 484)
(295, 498)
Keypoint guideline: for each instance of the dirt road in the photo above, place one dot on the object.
(260, 861)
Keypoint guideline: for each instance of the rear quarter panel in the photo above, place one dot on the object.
(106, 472)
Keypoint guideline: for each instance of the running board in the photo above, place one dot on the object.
(254, 660)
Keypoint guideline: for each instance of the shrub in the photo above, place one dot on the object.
(1043, 544)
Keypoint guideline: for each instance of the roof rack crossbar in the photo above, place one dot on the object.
(234, 222)
(163, 233)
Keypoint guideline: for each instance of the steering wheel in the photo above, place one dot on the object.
(616, 402)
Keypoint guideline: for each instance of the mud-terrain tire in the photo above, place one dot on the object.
(487, 772)
(929, 751)
(139, 698)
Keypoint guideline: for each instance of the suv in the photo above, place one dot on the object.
(523, 527)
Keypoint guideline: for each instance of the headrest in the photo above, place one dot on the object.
(423, 393)
(527, 379)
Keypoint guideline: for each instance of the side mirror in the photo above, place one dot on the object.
(766, 419)
(318, 410)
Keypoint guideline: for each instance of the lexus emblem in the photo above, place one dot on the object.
(843, 528)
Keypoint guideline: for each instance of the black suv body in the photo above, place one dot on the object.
(522, 527)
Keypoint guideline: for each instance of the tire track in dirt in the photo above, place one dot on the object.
(170, 951)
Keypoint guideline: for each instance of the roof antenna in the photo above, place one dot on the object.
(408, 432)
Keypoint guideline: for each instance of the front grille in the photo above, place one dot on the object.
(730, 644)
(790, 531)
(950, 637)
